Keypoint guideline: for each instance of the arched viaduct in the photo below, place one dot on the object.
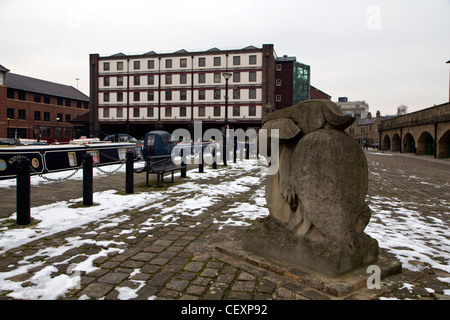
(425, 132)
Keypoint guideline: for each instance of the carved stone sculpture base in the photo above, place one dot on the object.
(268, 239)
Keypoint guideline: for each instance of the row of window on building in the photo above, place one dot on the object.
(182, 95)
(46, 99)
(46, 132)
(182, 112)
(38, 115)
(182, 79)
(182, 63)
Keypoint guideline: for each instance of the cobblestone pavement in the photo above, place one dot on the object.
(148, 255)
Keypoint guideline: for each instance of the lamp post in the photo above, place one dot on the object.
(127, 123)
(227, 76)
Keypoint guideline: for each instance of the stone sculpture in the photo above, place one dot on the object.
(316, 200)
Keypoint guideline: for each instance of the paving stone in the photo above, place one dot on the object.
(156, 249)
(235, 295)
(202, 281)
(96, 290)
(160, 279)
(246, 276)
(114, 278)
(132, 264)
(162, 243)
(143, 256)
(196, 290)
(209, 272)
(194, 266)
(159, 261)
(314, 295)
(177, 284)
(266, 287)
(243, 286)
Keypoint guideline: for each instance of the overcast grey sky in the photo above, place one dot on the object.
(387, 53)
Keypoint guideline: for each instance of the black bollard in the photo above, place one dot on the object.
(213, 154)
(183, 164)
(235, 150)
(88, 180)
(129, 174)
(200, 160)
(23, 192)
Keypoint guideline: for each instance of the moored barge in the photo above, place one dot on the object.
(53, 158)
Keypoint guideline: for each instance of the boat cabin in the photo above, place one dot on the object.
(158, 143)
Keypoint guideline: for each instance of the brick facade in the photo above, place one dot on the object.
(141, 93)
(32, 108)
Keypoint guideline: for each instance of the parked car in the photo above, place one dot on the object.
(123, 137)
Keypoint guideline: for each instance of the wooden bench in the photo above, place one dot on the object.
(159, 165)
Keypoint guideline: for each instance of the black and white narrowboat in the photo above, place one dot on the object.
(53, 158)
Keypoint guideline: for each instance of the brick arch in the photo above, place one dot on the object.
(443, 146)
(396, 142)
(408, 143)
(386, 143)
(425, 144)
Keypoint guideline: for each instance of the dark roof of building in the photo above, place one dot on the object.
(366, 121)
(29, 84)
(314, 89)
(2, 68)
(250, 48)
(84, 118)
(286, 59)
(369, 121)
(120, 54)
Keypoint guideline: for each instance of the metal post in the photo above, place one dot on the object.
(200, 160)
(183, 163)
(129, 174)
(247, 150)
(213, 154)
(227, 76)
(234, 150)
(23, 192)
(88, 179)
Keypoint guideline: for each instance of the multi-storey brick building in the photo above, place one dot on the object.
(34, 108)
(140, 93)
(292, 83)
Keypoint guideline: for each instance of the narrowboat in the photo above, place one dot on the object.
(59, 157)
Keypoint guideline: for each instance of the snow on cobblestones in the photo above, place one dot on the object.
(412, 231)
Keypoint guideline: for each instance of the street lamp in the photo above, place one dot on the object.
(127, 123)
(227, 76)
